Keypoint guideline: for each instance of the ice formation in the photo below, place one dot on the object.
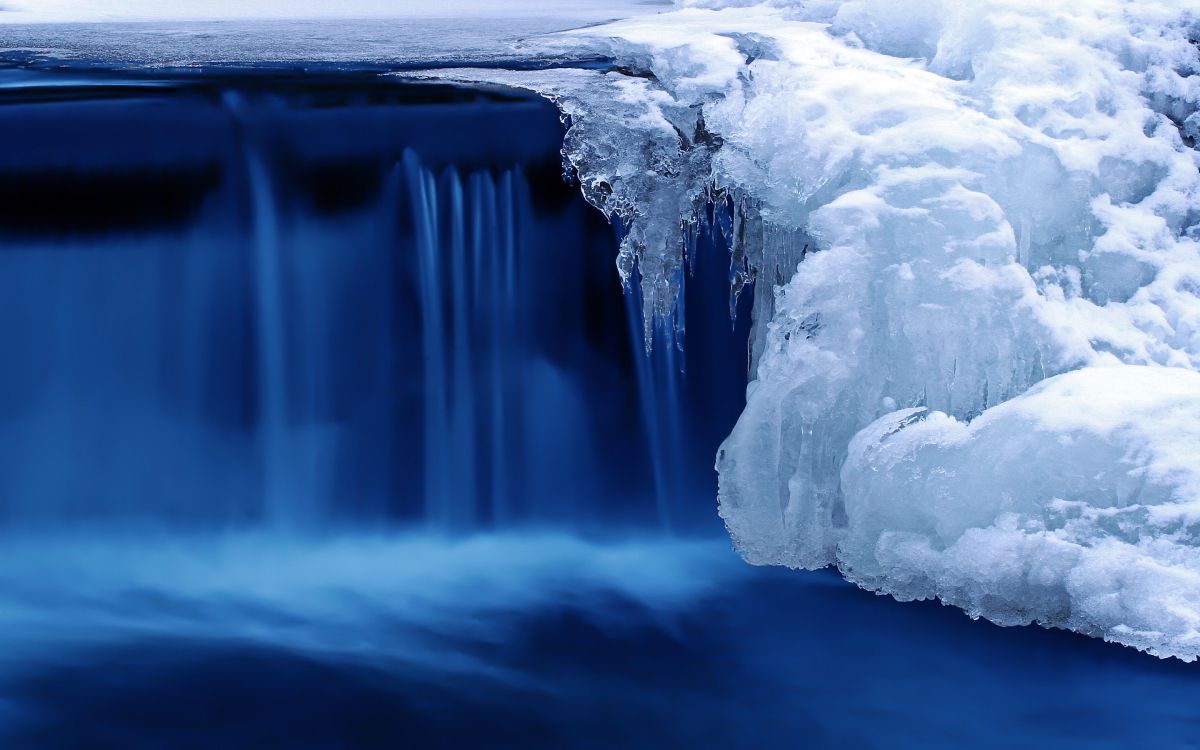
(975, 376)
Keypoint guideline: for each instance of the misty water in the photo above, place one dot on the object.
(325, 422)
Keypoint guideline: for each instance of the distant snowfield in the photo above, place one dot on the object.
(190, 33)
(89, 11)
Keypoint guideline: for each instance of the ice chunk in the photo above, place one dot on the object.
(1075, 504)
(997, 192)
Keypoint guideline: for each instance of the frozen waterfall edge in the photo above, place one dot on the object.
(980, 385)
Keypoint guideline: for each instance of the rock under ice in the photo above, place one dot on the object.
(978, 327)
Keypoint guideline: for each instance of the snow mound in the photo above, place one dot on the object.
(974, 229)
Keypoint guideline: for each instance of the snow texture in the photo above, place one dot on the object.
(975, 374)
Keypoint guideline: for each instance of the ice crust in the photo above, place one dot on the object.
(976, 336)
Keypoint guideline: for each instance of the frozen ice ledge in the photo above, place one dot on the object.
(977, 327)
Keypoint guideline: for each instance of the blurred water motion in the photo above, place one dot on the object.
(300, 300)
(530, 641)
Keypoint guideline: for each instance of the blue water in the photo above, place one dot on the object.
(758, 659)
(302, 300)
(325, 423)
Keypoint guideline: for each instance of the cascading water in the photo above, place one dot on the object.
(334, 329)
(469, 374)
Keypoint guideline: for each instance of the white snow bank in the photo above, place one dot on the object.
(985, 194)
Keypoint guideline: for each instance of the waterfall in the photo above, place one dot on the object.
(468, 359)
(659, 372)
(272, 391)
(332, 332)
(423, 188)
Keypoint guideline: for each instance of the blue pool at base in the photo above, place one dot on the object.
(772, 657)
